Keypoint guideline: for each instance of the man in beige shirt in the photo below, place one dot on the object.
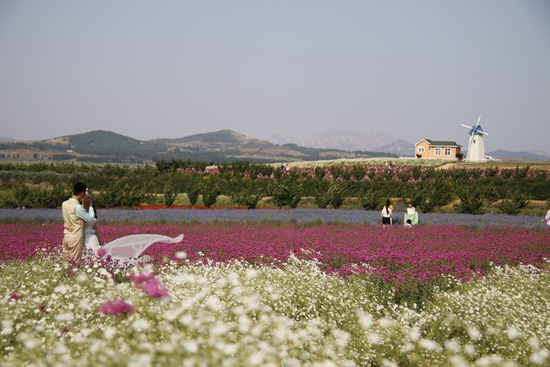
(73, 215)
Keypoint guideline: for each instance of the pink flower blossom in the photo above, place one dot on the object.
(149, 284)
(116, 307)
(14, 297)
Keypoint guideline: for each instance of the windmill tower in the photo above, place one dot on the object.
(476, 150)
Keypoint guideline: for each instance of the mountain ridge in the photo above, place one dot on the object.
(100, 146)
(228, 144)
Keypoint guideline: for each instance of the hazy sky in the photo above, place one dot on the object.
(160, 69)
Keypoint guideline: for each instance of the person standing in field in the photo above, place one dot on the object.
(386, 214)
(92, 241)
(73, 216)
(546, 219)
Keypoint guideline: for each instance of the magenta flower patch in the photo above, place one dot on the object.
(149, 284)
(116, 307)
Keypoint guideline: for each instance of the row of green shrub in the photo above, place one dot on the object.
(124, 186)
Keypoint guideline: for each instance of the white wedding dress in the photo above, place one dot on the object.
(124, 248)
(91, 241)
(132, 246)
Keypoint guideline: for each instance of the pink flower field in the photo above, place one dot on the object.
(398, 256)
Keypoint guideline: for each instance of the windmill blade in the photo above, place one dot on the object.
(477, 123)
(466, 126)
(482, 132)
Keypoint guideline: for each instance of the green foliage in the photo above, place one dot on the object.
(514, 206)
(110, 198)
(246, 198)
(438, 194)
(131, 196)
(19, 194)
(520, 173)
(193, 193)
(162, 166)
(333, 196)
(470, 202)
(358, 172)
(7, 200)
(286, 193)
(170, 195)
(210, 193)
(320, 172)
(371, 199)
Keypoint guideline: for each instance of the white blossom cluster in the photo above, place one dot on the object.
(244, 315)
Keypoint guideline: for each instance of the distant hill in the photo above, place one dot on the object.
(399, 147)
(101, 146)
(282, 139)
(348, 140)
(517, 155)
(2, 138)
(351, 141)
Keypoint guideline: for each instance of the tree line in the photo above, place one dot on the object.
(46, 185)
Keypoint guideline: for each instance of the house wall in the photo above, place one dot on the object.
(430, 151)
(423, 145)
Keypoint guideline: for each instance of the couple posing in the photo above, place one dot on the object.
(80, 234)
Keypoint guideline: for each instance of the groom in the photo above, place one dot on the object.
(73, 215)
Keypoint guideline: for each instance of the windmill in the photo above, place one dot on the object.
(476, 151)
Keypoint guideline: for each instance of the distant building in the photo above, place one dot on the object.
(437, 149)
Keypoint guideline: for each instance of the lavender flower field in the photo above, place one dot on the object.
(368, 217)
(279, 288)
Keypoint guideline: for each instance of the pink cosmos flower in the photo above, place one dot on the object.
(141, 278)
(155, 289)
(116, 307)
(14, 297)
(101, 252)
(150, 284)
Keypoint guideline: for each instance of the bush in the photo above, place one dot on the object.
(470, 202)
(285, 193)
(371, 199)
(193, 194)
(19, 194)
(109, 198)
(514, 206)
(210, 194)
(170, 195)
(333, 196)
(245, 198)
(7, 200)
(131, 196)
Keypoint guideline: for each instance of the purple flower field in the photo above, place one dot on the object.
(290, 215)
(402, 257)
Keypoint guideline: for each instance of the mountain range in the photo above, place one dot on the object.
(101, 146)
(224, 145)
(379, 142)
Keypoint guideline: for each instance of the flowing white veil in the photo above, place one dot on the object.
(131, 247)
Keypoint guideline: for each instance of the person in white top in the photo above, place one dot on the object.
(546, 219)
(386, 214)
(411, 215)
(92, 241)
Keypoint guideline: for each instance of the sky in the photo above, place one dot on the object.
(168, 69)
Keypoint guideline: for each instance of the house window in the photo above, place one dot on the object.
(447, 152)
(437, 151)
(420, 149)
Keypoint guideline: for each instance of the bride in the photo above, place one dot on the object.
(92, 241)
(128, 247)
